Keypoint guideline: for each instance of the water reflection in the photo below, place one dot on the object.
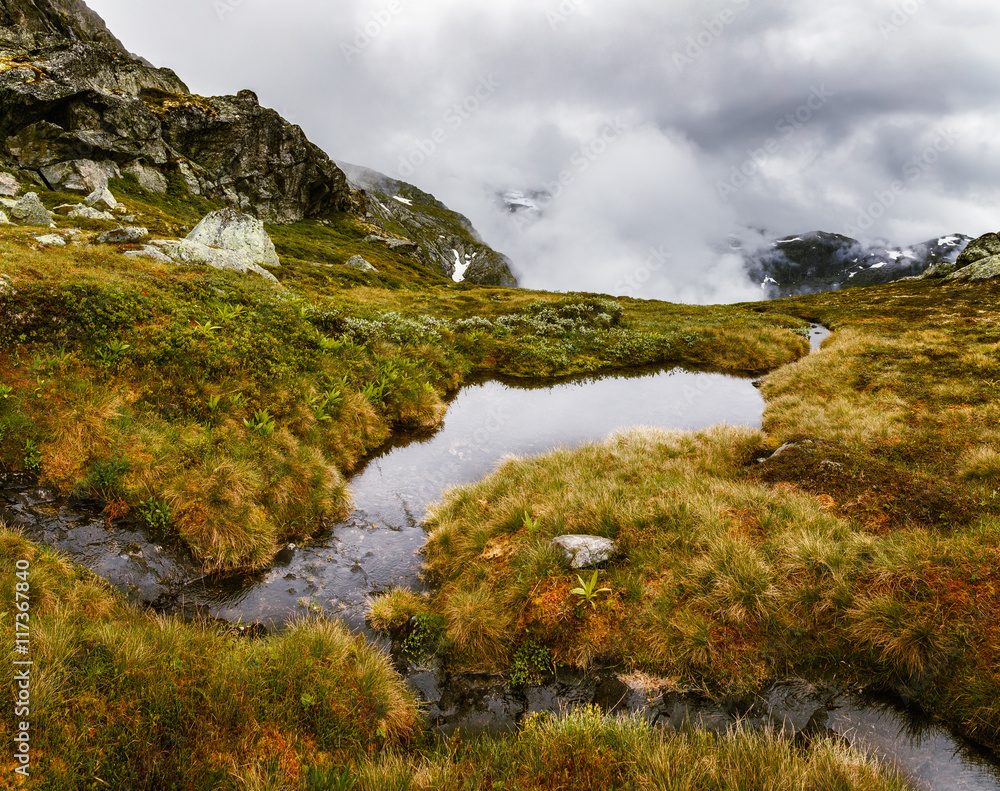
(376, 547)
(928, 755)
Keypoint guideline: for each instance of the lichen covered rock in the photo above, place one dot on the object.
(238, 232)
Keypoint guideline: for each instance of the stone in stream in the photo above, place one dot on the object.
(584, 551)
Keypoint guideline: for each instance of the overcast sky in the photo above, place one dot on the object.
(661, 127)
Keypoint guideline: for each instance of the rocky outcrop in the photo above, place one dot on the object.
(444, 239)
(30, 211)
(69, 91)
(66, 19)
(979, 261)
(238, 232)
(184, 251)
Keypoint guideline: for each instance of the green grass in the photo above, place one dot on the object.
(145, 701)
(241, 406)
(584, 749)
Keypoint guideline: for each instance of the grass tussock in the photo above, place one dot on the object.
(721, 580)
(143, 701)
(585, 749)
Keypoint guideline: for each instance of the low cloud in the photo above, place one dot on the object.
(704, 89)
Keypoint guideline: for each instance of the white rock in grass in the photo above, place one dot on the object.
(359, 263)
(184, 251)
(240, 233)
(50, 240)
(101, 198)
(584, 551)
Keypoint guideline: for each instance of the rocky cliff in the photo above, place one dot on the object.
(70, 92)
(76, 109)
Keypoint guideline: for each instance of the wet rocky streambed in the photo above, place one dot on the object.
(375, 548)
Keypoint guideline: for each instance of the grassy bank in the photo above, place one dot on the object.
(865, 551)
(227, 411)
(126, 699)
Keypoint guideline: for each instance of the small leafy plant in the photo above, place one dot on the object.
(589, 590)
(261, 423)
(32, 458)
(156, 513)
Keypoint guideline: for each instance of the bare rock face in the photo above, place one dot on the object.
(240, 233)
(69, 91)
(79, 175)
(68, 19)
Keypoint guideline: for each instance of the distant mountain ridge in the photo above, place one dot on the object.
(821, 261)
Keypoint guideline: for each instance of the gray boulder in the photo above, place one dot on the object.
(240, 233)
(50, 240)
(87, 213)
(30, 211)
(150, 251)
(9, 186)
(185, 251)
(359, 263)
(120, 235)
(101, 198)
(149, 178)
(4, 219)
(584, 551)
(79, 175)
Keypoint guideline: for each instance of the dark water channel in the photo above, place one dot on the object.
(375, 548)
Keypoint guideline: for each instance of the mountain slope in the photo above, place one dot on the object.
(446, 239)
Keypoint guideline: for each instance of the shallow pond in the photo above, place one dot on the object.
(376, 546)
